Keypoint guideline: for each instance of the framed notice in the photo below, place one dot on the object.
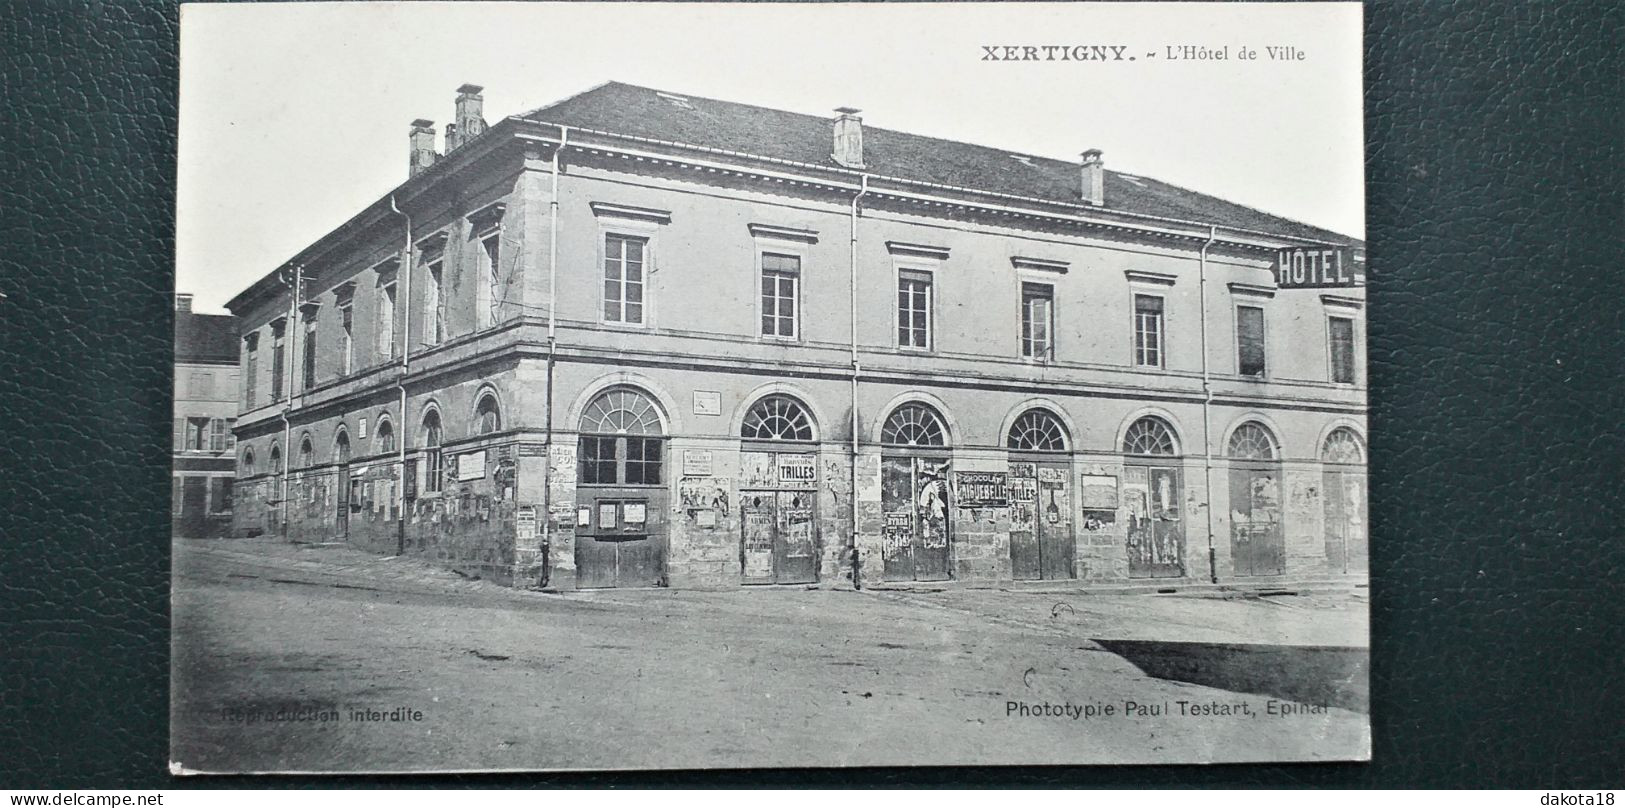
(471, 466)
(697, 462)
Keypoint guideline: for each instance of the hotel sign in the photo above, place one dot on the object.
(1316, 268)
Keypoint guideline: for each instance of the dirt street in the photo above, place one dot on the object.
(322, 658)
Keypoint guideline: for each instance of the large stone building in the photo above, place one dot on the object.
(641, 338)
(203, 469)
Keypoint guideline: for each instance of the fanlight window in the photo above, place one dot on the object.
(1252, 441)
(341, 447)
(385, 436)
(1149, 436)
(914, 425)
(305, 453)
(276, 460)
(777, 418)
(622, 412)
(1343, 446)
(1037, 430)
(248, 463)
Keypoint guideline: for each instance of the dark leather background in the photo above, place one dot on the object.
(1498, 423)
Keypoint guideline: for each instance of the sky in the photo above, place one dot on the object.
(294, 117)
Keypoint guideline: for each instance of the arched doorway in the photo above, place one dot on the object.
(778, 492)
(621, 487)
(341, 456)
(1257, 541)
(1344, 485)
(1153, 485)
(914, 495)
(1041, 540)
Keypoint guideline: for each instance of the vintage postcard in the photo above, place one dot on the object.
(624, 386)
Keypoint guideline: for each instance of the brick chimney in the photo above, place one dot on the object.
(469, 117)
(183, 302)
(848, 149)
(1094, 177)
(423, 154)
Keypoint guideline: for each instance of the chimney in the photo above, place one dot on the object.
(183, 302)
(1094, 177)
(423, 153)
(848, 138)
(469, 116)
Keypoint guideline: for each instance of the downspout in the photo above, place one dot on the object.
(552, 346)
(1207, 411)
(857, 210)
(400, 381)
(287, 366)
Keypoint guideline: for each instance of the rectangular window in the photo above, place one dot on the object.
(642, 461)
(1148, 349)
(197, 434)
(1038, 321)
(279, 362)
(251, 366)
(433, 469)
(388, 346)
(597, 461)
(624, 258)
(780, 274)
(491, 257)
(434, 307)
(309, 354)
(1250, 340)
(914, 309)
(200, 385)
(217, 434)
(1342, 339)
(346, 339)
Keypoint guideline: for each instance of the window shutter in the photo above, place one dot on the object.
(180, 434)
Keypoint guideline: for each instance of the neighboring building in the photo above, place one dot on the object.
(206, 403)
(640, 338)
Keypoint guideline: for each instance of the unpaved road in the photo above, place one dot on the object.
(504, 679)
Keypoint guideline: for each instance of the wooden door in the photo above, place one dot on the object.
(1257, 542)
(1346, 548)
(1155, 530)
(624, 545)
(1042, 545)
(343, 516)
(916, 506)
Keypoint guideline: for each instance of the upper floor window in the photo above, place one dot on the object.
(1038, 321)
(914, 424)
(200, 385)
(434, 304)
(1148, 340)
(487, 417)
(1250, 340)
(1342, 348)
(914, 309)
(310, 352)
(781, 275)
(251, 368)
(624, 259)
(220, 437)
(490, 255)
(1037, 430)
(388, 345)
(346, 338)
(777, 418)
(279, 360)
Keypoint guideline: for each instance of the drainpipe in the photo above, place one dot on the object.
(552, 347)
(400, 381)
(857, 210)
(1207, 414)
(292, 328)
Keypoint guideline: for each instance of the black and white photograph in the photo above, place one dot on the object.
(629, 386)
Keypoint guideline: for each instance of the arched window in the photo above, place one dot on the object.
(341, 446)
(248, 463)
(1343, 445)
(777, 418)
(1251, 441)
(433, 466)
(620, 440)
(1150, 436)
(1037, 430)
(306, 453)
(914, 424)
(276, 459)
(487, 417)
(385, 436)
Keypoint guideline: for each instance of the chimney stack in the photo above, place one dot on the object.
(183, 302)
(469, 117)
(848, 149)
(1094, 177)
(423, 154)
